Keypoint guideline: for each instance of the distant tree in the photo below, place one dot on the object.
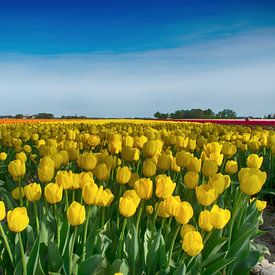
(226, 113)
(19, 116)
(161, 115)
(44, 115)
(270, 116)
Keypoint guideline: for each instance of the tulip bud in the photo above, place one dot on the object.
(3, 156)
(164, 162)
(231, 167)
(191, 179)
(127, 207)
(133, 195)
(149, 168)
(17, 219)
(76, 214)
(89, 192)
(102, 172)
(123, 175)
(103, 197)
(2, 211)
(209, 168)
(184, 212)
(17, 169)
(16, 193)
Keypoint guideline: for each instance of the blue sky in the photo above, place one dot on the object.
(133, 58)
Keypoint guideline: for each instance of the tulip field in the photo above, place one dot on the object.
(133, 197)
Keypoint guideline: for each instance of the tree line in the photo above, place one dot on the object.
(197, 113)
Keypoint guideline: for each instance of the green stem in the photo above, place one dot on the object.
(57, 225)
(20, 193)
(118, 215)
(36, 218)
(22, 255)
(156, 215)
(102, 217)
(6, 243)
(73, 197)
(139, 214)
(72, 250)
(66, 199)
(172, 243)
(85, 233)
(121, 238)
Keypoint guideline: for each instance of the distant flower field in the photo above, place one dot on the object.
(132, 196)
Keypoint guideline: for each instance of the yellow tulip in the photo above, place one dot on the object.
(164, 186)
(164, 162)
(53, 193)
(192, 243)
(133, 179)
(3, 156)
(33, 192)
(219, 217)
(260, 205)
(209, 168)
(185, 228)
(184, 212)
(65, 179)
(144, 188)
(171, 205)
(85, 177)
(219, 182)
(123, 175)
(104, 197)
(231, 167)
(149, 168)
(194, 164)
(76, 214)
(17, 168)
(89, 192)
(191, 179)
(229, 149)
(251, 180)
(254, 161)
(127, 207)
(87, 161)
(17, 219)
(102, 172)
(204, 221)
(133, 195)
(183, 158)
(206, 194)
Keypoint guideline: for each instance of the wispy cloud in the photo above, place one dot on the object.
(236, 72)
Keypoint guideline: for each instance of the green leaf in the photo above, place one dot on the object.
(131, 245)
(54, 257)
(119, 266)
(19, 268)
(153, 257)
(213, 259)
(93, 265)
(34, 256)
(241, 242)
(181, 270)
(212, 248)
(217, 266)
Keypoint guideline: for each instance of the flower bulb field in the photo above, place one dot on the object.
(133, 196)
